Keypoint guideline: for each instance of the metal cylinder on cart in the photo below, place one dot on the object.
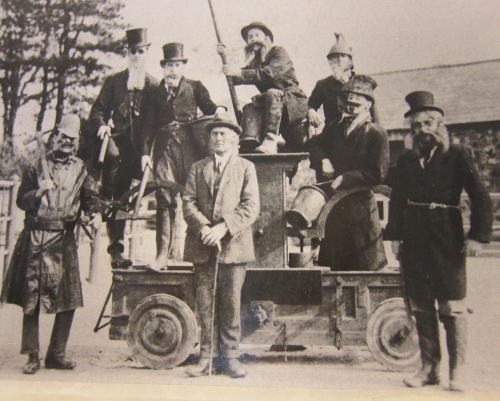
(306, 207)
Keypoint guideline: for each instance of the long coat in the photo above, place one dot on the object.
(353, 238)
(44, 265)
(276, 72)
(433, 254)
(114, 98)
(159, 109)
(236, 203)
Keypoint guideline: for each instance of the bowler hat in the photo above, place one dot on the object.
(137, 37)
(173, 52)
(70, 125)
(341, 47)
(421, 101)
(362, 85)
(256, 25)
(223, 119)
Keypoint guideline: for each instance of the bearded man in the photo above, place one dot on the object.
(355, 153)
(425, 227)
(43, 273)
(271, 70)
(326, 91)
(119, 102)
(175, 101)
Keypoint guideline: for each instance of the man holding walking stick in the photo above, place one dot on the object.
(220, 203)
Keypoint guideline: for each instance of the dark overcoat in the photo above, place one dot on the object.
(433, 251)
(353, 238)
(44, 265)
(236, 202)
(276, 72)
(114, 98)
(325, 94)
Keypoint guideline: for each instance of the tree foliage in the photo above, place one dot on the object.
(52, 51)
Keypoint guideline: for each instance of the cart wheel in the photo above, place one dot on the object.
(161, 331)
(391, 339)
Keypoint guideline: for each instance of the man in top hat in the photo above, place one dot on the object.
(356, 153)
(271, 70)
(176, 100)
(43, 273)
(116, 112)
(425, 226)
(326, 91)
(220, 203)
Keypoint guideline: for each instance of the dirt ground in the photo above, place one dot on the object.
(101, 360)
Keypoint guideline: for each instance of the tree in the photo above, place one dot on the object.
(52, 50)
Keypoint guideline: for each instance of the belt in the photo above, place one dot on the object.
(33, 224)
(433, 205)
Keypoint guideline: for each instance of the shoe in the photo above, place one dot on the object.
(427, 376)
(33, 364)
(234, 369)
(58, 361)
(118, 261)
(200, 369)
(269, 145)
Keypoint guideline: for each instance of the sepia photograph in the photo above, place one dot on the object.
(249, 199)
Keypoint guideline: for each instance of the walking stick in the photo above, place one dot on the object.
(406, 298)
(214, 293)
(230, 84)
(105, 141)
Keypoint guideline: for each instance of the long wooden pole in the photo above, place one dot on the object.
(230, 84)
(45, 166)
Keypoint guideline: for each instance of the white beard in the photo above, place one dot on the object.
(340, 75)
(136, 76)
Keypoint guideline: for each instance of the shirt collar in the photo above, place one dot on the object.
(222, 160)
(358, 121)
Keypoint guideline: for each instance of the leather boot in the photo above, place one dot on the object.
(456, 341)
(200, 369)
(234, 368)
(119, 261)
(56, 354)
(430, 351)
(33, 364)
(116, 230)
(272, 120)
(164, 223)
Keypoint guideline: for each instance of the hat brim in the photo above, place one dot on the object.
(162, 62)
(422, 108)
(139, 45)
(266, 30)
(69, 133)
(234, 127)
(369, 97)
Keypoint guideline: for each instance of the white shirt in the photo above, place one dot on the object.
(422, 159)
(221, 161)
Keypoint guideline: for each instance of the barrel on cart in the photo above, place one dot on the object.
(280, 306)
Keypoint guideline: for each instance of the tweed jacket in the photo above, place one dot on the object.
(159, 110)
(236, 203)
(114, 98)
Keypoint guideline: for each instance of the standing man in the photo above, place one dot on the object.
(116, 112)
(271, 70)
(44, 273)
(176, 100)
(425, 226)
(221, 201)
(355, 153)
(326, 91)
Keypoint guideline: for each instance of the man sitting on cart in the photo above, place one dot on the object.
(175, 101)
(220, 203)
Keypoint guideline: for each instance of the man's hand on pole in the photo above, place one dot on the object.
(146, 162)
(221, 49)
(44, 186)
(211, 236)
(103, 131)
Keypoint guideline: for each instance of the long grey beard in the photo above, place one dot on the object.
(341, 75)
(136, 76)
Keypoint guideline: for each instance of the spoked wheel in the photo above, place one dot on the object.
(391, 339)
(161, 332)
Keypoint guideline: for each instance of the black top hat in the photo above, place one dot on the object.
(362, 85)
(421, 101)
(137, 38)
(223, 119)
(256, 25)
(173, 52)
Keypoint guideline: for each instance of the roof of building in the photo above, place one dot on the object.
(467, 93)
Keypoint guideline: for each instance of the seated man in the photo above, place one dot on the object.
(355, 153)
(271, 71)
(220, 203)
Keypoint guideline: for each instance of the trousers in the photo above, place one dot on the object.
(227, 325)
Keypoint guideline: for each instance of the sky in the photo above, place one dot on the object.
(386, 35)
